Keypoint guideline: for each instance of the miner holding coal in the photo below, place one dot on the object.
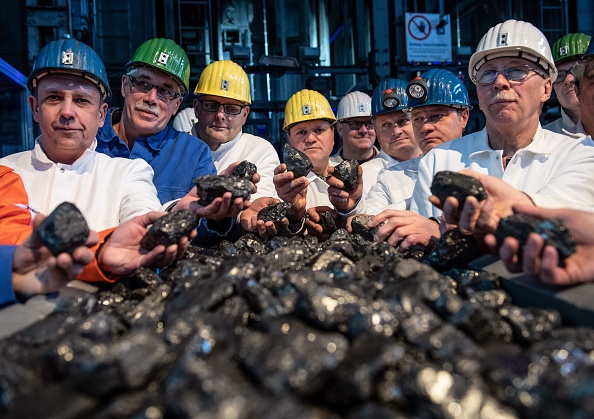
(518, 162)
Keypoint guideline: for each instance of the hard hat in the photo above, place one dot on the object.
(166, 56)
(513, 38)
(71, 57)
(590, 50)
(437, 87)
(388, 97)
(185, 119)
(307, 105)
(570, 47)
(353, 105)
(225, 79)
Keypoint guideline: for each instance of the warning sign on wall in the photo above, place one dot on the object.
(428, 38)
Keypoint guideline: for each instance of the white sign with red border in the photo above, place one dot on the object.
(428, 38)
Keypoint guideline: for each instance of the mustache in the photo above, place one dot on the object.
(503, 96)
(141, 106)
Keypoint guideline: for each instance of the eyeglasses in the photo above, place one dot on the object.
(562, 75)
(515, 73)
(214, 106)
(356, 125)
(145, 86)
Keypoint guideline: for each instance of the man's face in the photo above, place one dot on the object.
(218, 127)
(148, 113)
(506, 102)
(586, 96)
(316, 139)
(69, 111)
(437, 124)
(357, 133)
(395, 135)
(564, 87)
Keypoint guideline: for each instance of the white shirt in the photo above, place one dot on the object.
(255, 150)
(336, 158)
(565, 126)
(394, 188)
(317, 192)
(555, 171)
(107, 190)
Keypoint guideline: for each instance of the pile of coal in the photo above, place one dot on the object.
(347, 171)
(447, 183)
(552, 230)
(169, 229)
(274, 213)
(214, 186)
(296, 161)
(64, 229)
(245, 170)
(294, 327)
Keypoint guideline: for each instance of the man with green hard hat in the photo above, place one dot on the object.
(567, 51)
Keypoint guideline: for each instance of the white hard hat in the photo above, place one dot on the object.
(185, 120)
(353, 105)
(513, 38)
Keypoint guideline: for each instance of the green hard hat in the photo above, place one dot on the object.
(166, 56)
(570, 47)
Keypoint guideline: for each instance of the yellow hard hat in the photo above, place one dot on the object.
(307, 105)
(225, 79)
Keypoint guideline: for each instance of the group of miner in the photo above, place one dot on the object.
(124, 168)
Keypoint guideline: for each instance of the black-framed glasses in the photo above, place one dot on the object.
(356, 125)
(562, 75)
(145, 86)
(214, 106)
(516, 73)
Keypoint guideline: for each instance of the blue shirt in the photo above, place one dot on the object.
(177, 158)
(6, 290)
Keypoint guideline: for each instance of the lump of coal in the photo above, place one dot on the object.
(359, 226)
(245, 170)
(327, 222)
(64, 229)
(552, 230)
(452, 249)
(169, 229)
(447, 183)
(214, 186)
(296, 161)
(274, 213)
(346, 171)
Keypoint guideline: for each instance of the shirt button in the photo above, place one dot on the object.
(62, 170)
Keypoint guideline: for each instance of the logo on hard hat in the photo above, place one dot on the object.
(163, 57)
(225, 84)
(306, 109)
(67, 57)
(564, 50)
(362, 108)
(503, 38)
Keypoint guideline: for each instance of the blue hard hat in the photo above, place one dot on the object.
(388, 97)
(437, 87)
(71, 57)
(590, 51)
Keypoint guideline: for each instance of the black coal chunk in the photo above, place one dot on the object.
(169, 229)
(327, 222)
(452, 249)
(64, 229)
(359, 226)
(274, 213)
(346, 171)
(447, 183)
(296, 161)
(214, 186)
(245, 170)
(552, 230)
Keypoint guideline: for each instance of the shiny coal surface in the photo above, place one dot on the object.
(347, 172)
(293, 327)
(214, 186)
(296, 161)
(169, 229)
(64, 229)
(447, 183)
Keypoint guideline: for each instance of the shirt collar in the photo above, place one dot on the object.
(108, 134)
(539, 144)
(223, 148)
(41, 157)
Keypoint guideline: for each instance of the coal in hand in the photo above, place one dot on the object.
(347, 171)
(327, 222)
(359, 226)
(169, 229)
(245, 170)
(64, 229)
(552, 230)
(296, 161)
(214, 186)
(447, 183)
(274, 213)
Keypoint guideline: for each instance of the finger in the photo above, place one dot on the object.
(451, 208)
(551, 273)
(509, 254)
(531, 254)
(469, 215)
(281, 168)
(435, 201)
(491, 242)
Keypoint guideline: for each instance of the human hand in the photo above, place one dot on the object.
(36, 271)
(249, 219)
(121, 254)
(341, 199)
(312, 221)
(220, 208)
(405, 229)
(543, 261)
(291, 190)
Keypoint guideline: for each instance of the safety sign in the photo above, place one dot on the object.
(428, 38)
